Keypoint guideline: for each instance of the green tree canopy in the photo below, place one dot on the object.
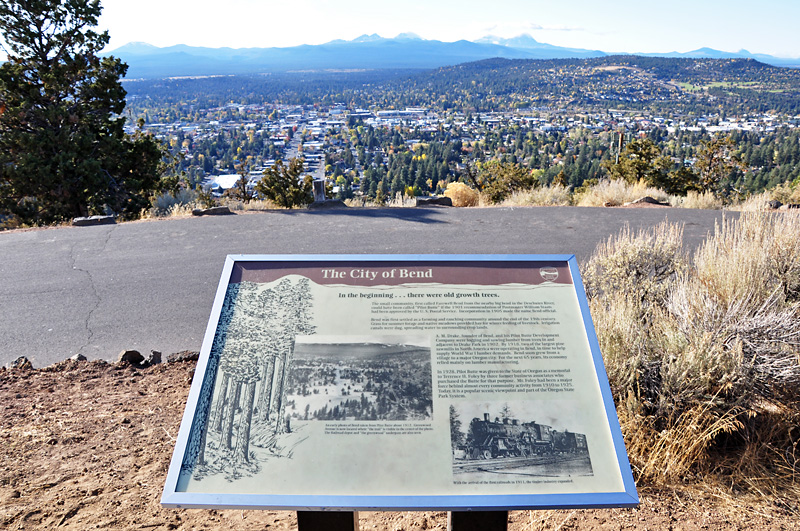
(63, 149)
(639, 160)
(499, 180)
(285, 186)
(717, 160)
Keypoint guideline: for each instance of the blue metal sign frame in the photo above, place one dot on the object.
(172, 497)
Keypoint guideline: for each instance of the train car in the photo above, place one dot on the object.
(509, 438)
(569, 442)
(541, 437)
(580, 443)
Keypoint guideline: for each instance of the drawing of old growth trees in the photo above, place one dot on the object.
(254, 353)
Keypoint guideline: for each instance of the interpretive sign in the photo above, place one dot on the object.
(400, 382)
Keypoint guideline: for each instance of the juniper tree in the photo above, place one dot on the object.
(63, 149)
(499, 180)
(284, 185)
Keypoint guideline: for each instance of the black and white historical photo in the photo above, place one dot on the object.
(275, 376)
(515, 441)
(349, 378)
(242, 420)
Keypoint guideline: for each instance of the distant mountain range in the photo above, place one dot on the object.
(406, 51)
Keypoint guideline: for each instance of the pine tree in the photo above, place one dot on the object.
(63, 149)
(456, 436)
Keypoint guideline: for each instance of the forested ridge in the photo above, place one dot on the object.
(653, 83)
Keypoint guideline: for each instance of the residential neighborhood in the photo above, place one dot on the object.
(344, 145)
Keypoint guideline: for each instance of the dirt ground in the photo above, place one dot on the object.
(86, 445)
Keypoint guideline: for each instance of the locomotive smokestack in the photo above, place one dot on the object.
(486, 417)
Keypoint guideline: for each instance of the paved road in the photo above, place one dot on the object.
(150, 285)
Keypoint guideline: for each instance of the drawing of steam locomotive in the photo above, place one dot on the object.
(510, 438)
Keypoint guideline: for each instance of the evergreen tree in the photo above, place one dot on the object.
(456, 437)
(498, 179)
(63, 150)
(283, 184)
(639, 160)
(716, 161)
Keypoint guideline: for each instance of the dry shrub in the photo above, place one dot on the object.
(616, 193)
(461, 195)
(759, 252)
(359, 202)
(556, 195)
(178, 204)
(255, 205)
(786, 193)
(753, 203)
(682, 445)
(704, 357)
(642, 263)
(402, 200)
(703, 201)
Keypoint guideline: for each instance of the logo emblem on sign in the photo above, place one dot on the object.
(549, 274)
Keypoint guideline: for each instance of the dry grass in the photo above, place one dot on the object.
(682, 445)
(786, 193)
(401, 200)
(616, 193)
(541, 196)
(753, 203)
(705, 201)
(703, 355)
(256, 205)
(182, 204)
(462, 195)
(173, 211)
(358, 202)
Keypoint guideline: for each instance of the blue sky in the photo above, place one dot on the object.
(768, 26)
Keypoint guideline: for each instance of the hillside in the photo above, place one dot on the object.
(629, 82)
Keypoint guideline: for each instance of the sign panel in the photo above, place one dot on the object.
(400, 382)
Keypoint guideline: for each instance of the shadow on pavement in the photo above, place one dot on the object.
(419, 215)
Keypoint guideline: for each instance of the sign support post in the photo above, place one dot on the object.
(327, 520)
(477, 520)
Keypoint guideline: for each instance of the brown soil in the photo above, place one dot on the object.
(86, 445)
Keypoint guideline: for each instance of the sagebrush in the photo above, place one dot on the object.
(179, 203)
(702, 351)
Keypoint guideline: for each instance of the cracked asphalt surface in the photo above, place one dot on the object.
(150, 285)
